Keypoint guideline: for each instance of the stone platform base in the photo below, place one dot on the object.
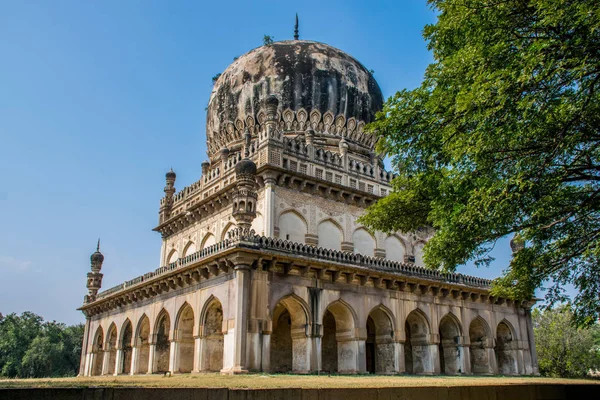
(508, 392)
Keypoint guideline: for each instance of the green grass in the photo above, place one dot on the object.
(264, 381)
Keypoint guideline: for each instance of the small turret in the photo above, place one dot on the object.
(244, 198)
(170, 178)
(94, 278)
(167, 202)
(516, 244)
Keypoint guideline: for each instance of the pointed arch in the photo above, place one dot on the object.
(211, 332)
(111, 346)
(228, 227)
(289, 342)
(379, 346)
(344, 314)
(416, 345)
(506, 349)
(189, 248)
(330, 234)
(480, 342)
(364, 242)
(172, 257)
(142, 343)
(450, 331)
(292, 226)
(126, 343)
(395, 248)
(208, 240)
(162, 329)
(339, 348)
(98, 352)
(184, 337)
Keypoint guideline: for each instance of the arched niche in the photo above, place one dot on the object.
(417, 357)
(142, 343)
(111, 347)
(292, 227)
(127, 346)
(289, 347)
(190, 248)
(208, 240)
(98, 352)
(338, 346)
(418, 253)
(172, 257)
(506, 349)
(449, 350)
(163, 344)
(380, 347)
(364, 243)
(212, 337)
(184, 336)
(330, 235)
(394, 248)
(479, 337)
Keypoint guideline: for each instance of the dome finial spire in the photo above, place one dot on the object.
(98, 246)
(296, 36)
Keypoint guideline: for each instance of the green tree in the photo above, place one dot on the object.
(503, 138)
(268, 40)
(16, 334)
(564, 350)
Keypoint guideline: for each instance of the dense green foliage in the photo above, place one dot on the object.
(502, 138)
(30, 347)
(564, 350)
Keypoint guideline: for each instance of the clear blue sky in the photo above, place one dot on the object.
(99, 98)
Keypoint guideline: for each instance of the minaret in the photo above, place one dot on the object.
(167, 202)
(94, 278)
(244, 198)
(296, 35)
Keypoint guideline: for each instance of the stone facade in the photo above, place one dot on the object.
(264, 266)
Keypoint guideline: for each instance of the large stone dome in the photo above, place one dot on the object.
(305, 76)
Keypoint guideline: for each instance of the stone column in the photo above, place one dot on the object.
(269, 206)
(399, 357)
(84, 349)
(173, 356)
(134, 360)
(151, 355)
(197, 354)
(465, 355)
(492, 357)
(242, 283)
(361, 356)
(266, 351)
(105, 362)
(348, 355)
(531, 342)
(315, 354)
(118, 362)
(434, 353)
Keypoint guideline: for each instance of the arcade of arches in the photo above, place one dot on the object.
(298, 338)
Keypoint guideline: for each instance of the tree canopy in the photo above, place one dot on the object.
(562, 349)
(502, 138)
(30, 347)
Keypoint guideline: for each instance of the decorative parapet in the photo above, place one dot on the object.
(238, 238)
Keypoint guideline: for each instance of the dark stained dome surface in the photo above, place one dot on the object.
(302, 74)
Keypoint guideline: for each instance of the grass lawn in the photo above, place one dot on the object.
(262, 381)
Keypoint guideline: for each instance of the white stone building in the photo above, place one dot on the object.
(263, 264)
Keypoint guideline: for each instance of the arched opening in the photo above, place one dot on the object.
(394, 249)
(330, 235)
(449, 350)
(208, 240)
(289, 343)
(212, 328)
(505, 350)
(163, 344)
(142, 341)
(190, 248)
(98, 352)
(380, 348)
(338, 346)
(173, 256)
(126, 338)
(185, 339)
(418, 252)
(112, 349)
(416, 347)
(479, 338)
(363, 242)
(292, 227)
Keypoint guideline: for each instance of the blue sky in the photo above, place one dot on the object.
(99, 99)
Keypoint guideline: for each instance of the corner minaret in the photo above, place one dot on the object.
(167, 202)
(296, 35)
(244, 198)
(94, 278)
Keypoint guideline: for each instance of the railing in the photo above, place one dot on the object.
(240, 238)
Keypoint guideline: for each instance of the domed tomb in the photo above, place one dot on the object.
(319, 88)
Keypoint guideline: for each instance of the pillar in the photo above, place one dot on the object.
(399, 357)
(84, 350)
(361, 361)
(134, 360)
(269, 207)
(465, 354)
(105, 361)
(151, 355)
(119, 362)
(242, 283)
(197, 354)
(173, 356)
